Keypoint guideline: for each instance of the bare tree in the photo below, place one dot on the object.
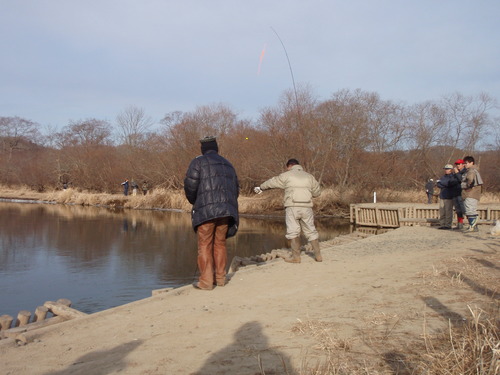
(291, 127)
(467, 117)
(16, 131)
(89, 132)
(428, 129)
(181, 132)
(85, 148)
(344, 123)
(387, 124)
(353, 139)
(133, 124)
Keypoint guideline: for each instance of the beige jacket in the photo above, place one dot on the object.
(300, 187)
(470, 186)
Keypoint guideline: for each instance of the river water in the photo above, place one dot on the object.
(101, 258)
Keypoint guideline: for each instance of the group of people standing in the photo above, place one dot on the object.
(126, 184)
(460, 188)
(211, 186)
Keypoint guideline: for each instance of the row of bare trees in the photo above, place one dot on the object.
(354, 139)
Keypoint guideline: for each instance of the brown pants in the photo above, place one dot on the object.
(212, 254)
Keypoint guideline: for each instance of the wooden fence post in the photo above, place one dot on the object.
(5, 321)
(40, 313)
(23, 318)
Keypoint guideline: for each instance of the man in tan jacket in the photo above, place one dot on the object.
(300, 187)
(471, 192)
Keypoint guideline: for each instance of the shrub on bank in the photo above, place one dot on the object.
(333, 201)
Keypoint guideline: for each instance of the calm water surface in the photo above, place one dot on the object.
(101, 258)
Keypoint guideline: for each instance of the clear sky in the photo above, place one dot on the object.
(65, 60)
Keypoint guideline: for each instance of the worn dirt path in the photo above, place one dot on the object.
(364, 305)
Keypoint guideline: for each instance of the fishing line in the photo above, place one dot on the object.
(291, 71)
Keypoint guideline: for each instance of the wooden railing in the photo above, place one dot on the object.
(394, 215)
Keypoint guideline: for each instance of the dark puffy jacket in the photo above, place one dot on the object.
(450, 187)
(211, 186)
(459, 178)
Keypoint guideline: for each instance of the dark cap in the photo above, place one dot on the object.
(209, 143)
(208, 138)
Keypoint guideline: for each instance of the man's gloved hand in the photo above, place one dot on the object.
(257, 190)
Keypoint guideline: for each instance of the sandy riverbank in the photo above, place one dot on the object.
(367, 308)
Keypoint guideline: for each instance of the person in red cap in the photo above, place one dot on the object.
(458, 202)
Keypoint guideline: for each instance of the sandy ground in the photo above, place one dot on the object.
(366, 304)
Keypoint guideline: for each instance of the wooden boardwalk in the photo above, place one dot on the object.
(395, 215)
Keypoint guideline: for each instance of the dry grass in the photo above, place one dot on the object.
(336, 350)
(155, 199)
(490, 198)
(470, 345)
(322, 333)
(333, 201)
(472, 348)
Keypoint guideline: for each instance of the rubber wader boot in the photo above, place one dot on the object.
(295, 244)
(317, 252)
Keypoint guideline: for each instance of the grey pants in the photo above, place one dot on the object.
(445, 212)
(471, 206)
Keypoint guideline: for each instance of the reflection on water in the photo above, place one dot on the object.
(101, 258)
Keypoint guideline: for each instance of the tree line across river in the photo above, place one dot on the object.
(354, 140)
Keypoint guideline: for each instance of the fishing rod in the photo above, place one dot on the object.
(291, 73)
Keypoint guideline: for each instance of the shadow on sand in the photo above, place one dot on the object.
(249, 353)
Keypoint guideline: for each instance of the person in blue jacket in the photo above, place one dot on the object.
(125, 187)
(450, 188)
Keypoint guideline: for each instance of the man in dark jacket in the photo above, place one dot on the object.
(211, 186)
(125, 187)
(450, 188)
(429, 190)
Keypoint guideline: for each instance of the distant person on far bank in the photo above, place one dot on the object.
(429, 190)
(211, 186)
(134, 188)
(125, 187)
(471, 192)
(300, 188)
(449, 189)
(144, 187)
